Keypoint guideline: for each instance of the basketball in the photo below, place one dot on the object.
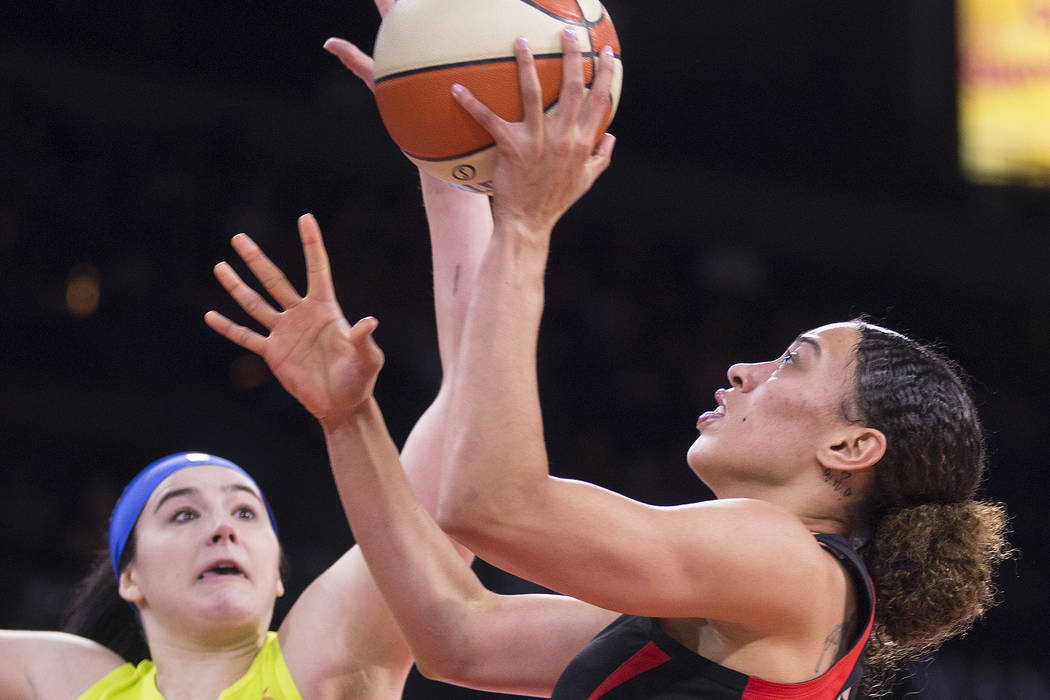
(423, 46)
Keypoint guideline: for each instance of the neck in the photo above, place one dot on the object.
(188, 668)
(818, 507)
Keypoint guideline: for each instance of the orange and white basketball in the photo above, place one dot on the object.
(424, 46)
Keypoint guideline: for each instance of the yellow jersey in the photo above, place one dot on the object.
(267, 679)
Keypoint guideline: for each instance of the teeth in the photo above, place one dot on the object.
(721, 410)
(225, 569)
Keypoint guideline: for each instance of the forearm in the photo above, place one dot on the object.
(495, 453)
(429, 589)
(460, 224)
(496, 462)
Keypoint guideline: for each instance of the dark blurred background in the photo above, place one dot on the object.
(778, 166)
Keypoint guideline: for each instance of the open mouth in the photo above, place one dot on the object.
(719, 411)
(223, 569)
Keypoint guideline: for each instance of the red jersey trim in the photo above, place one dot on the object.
(647, 658)
(831, 681)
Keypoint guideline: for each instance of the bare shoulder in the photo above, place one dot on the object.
(51, 664)
(762, 529)
(757, 562)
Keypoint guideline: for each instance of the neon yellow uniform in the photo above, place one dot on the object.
(267, 679)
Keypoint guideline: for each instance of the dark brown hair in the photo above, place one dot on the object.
(934, 546)
(97, 611)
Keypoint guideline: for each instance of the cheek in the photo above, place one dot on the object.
(163, 555)
(268, 553)
(786, 411)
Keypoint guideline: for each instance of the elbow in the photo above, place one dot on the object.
(457, 520)
(467, 519)
(454, 649)
(464, 667)
(453, 670)
(480, 519)
(459, 508)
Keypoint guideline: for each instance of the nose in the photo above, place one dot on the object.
(745, 376)
(223, 532)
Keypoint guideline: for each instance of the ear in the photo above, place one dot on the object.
(128, 588)
(280, 587)
(856, 448)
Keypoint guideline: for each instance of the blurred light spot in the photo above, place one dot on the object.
(82, 291)
(249, 371)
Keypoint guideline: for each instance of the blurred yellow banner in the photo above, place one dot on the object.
(1004, 95)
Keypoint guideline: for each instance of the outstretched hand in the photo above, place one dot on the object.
(329, 366)
(359, 62)
(547, 162)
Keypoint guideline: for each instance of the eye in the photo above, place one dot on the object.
(244, 513)
(789, 358)
(183, 515)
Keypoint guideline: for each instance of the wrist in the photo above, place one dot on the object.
(526, 235)
(350, 417)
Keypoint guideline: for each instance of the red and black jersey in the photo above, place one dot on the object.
(634, 659)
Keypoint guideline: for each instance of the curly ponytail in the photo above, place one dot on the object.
(935, 548)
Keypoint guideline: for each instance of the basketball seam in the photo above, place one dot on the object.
(476, 62)
(454, 156)
(471, 152)
(566, 20)
(591, 55)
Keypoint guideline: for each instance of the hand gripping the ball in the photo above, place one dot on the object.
(547, 161)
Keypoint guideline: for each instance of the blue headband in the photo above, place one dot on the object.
(133, 500)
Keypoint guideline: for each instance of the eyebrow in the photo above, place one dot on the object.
(811, 341)
(192, 491)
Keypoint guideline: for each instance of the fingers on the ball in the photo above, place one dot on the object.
(572, 73)
(484, 116)
(600, 96)
(268, 274)
(238, 334)
(529, 81)
(318, 269)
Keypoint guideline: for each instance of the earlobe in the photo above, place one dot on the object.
(859, 449)
(280, 588)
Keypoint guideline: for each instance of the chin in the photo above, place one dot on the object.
(228, 609)
(703, 465)
(697, 458)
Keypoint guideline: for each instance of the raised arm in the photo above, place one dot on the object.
(367, 651)
(460, 225)
(498, 497)
(457, 629)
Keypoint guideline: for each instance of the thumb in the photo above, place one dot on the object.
(598, 162)
(361, 338)
(363, 329)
